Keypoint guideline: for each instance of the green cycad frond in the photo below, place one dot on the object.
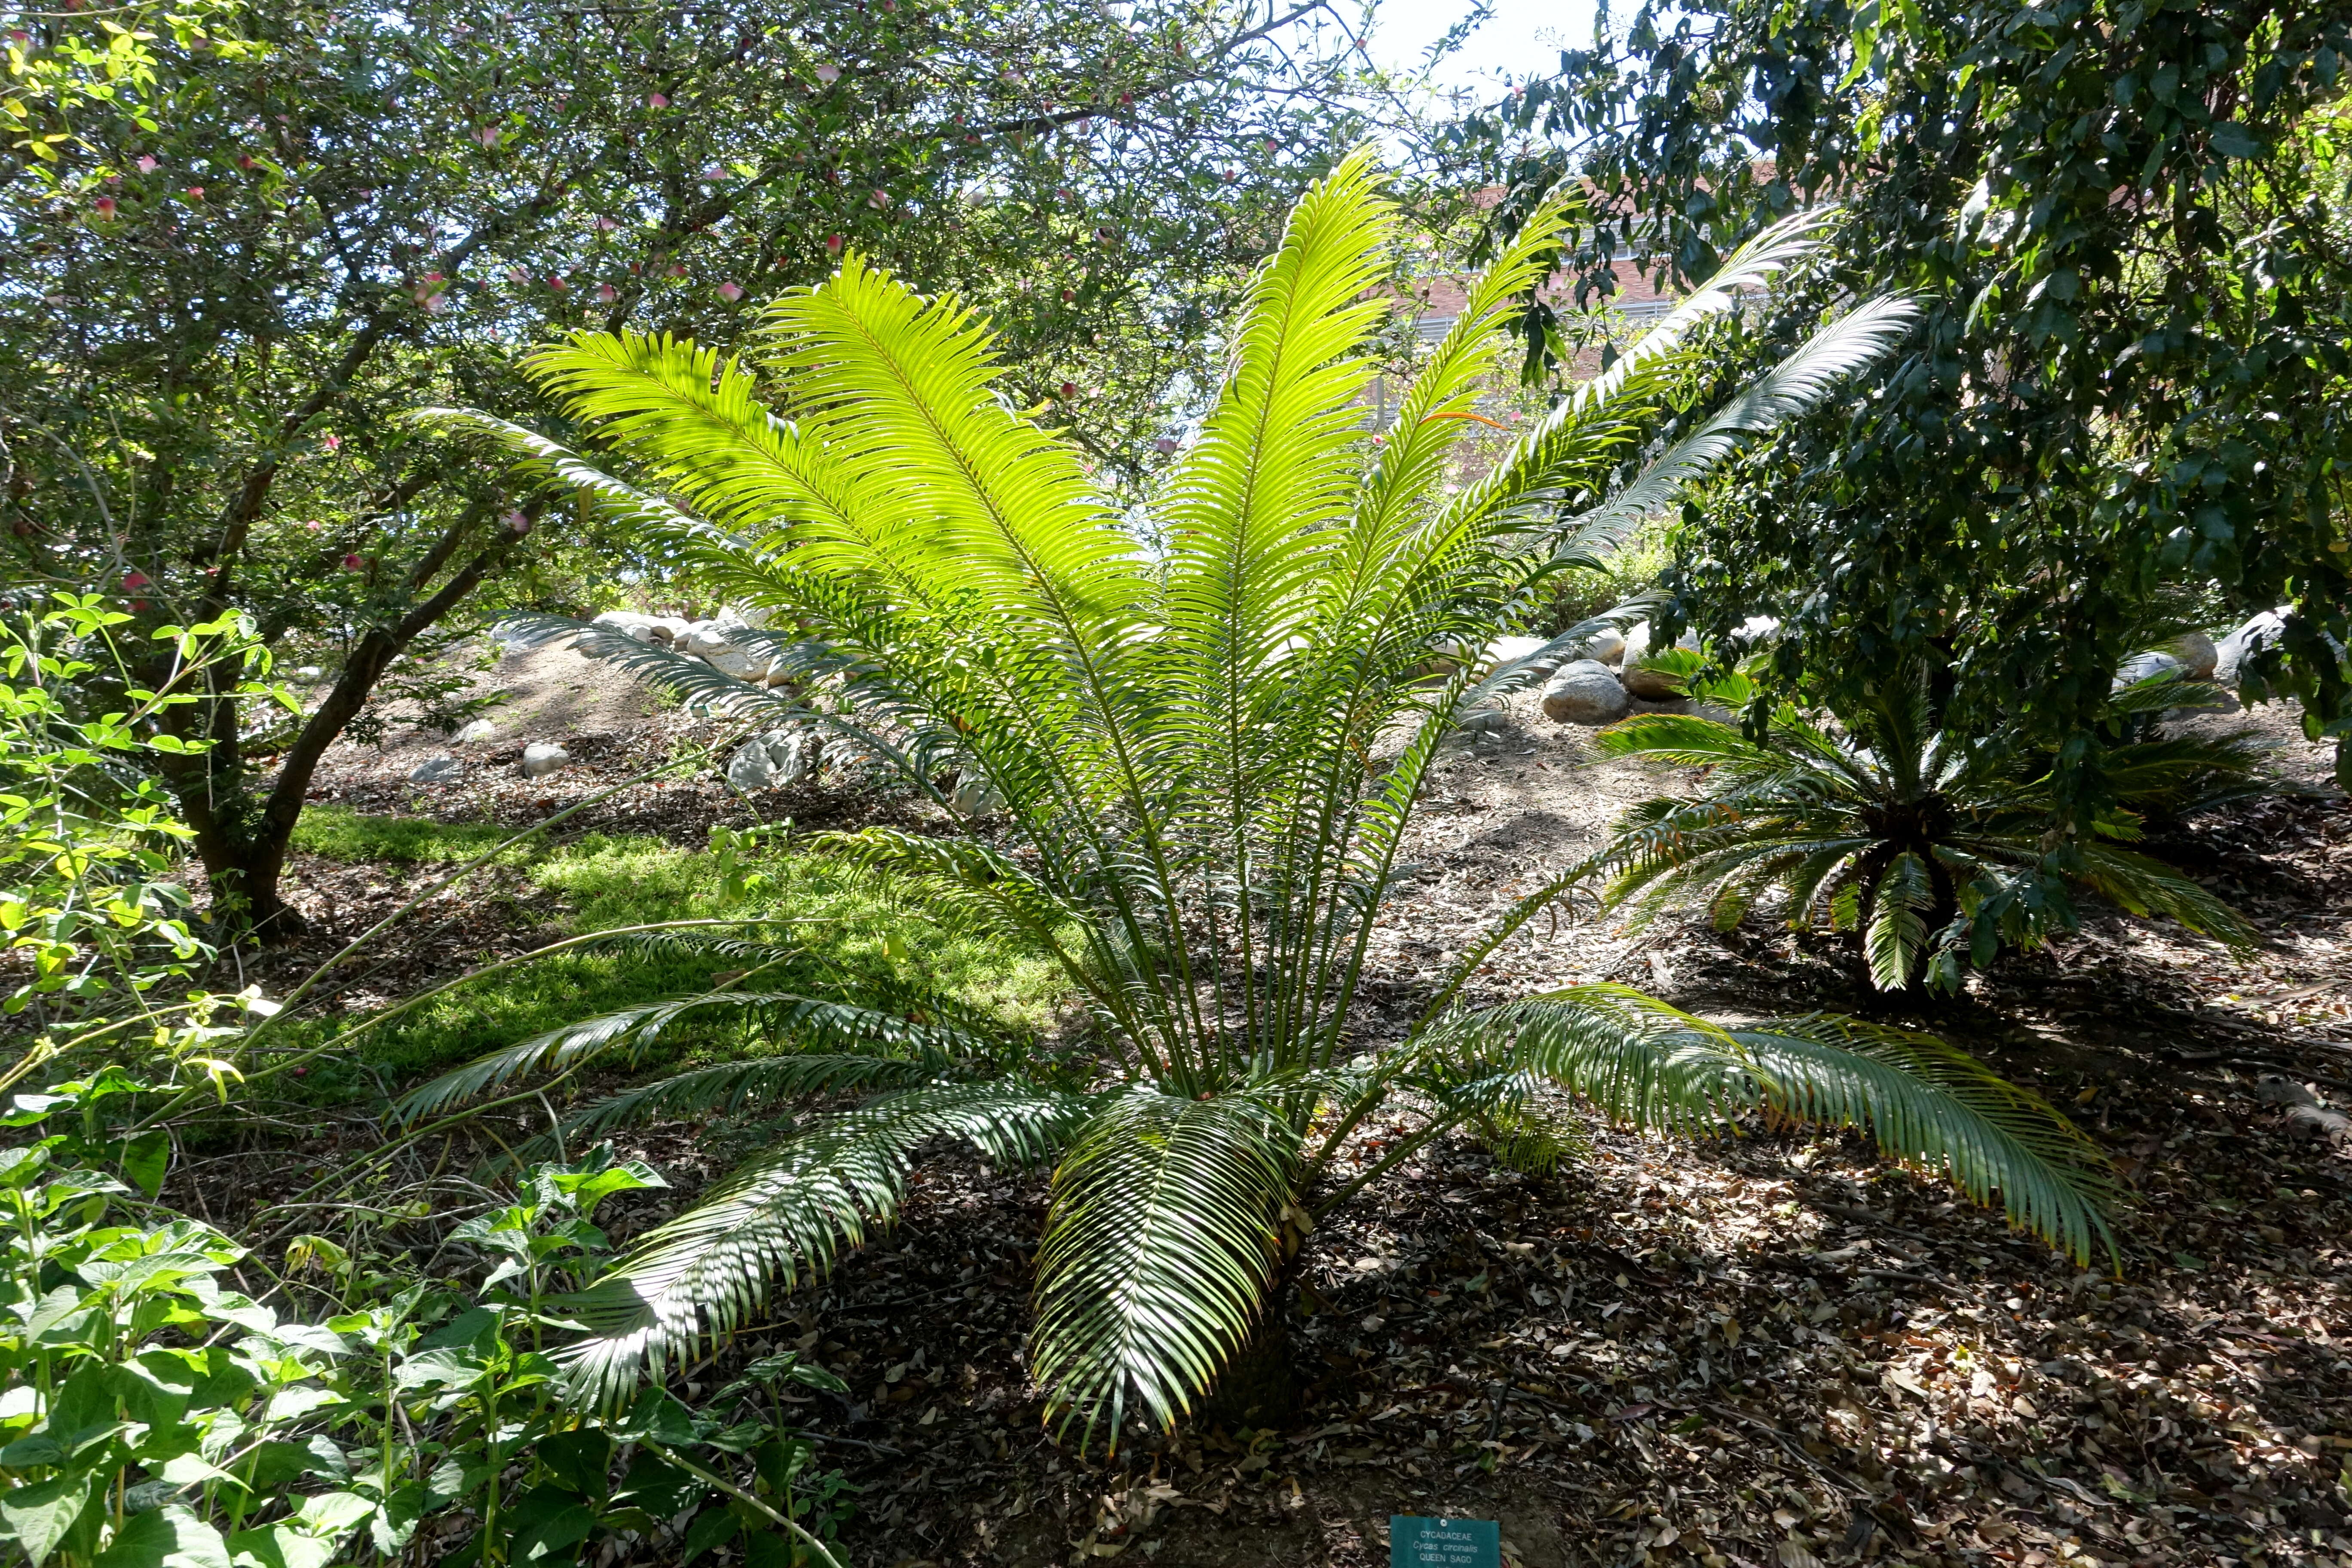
(2146, 887)
(818, 1022)
(727, 1089)
(1158, 1253)
(1642, 1062)
(694, 418)
(1898, 922)
(899, 388)
(1774, 250)
(791, 1210)
(556, 466)
(2181, 775)
(1851, 344)
(1650, 1065)
(1436, 410)
(1246, 508)
(1590, 430)
(1937, 1108)
(1689, 740)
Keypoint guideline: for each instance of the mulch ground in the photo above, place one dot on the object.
(1767, 1350)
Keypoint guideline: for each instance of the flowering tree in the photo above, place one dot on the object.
(238, 239)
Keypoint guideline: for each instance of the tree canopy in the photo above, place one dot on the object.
(2125, 409)
(238, 240)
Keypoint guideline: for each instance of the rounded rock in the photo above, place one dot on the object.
(1585, 691)
(541, 758)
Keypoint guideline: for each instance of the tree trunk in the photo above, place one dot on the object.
(1260, 1386)
(243, 841)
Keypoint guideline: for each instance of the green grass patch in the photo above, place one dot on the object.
(338, 832)
(842, 921)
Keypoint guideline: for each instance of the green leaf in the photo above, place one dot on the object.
(168, 1537)
(711, 1527)
(281, 1546)
(582, 1460)
(546, 1520)
(36, 1517)
(146, 1158)
(2232, 140)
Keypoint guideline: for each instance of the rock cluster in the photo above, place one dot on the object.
(720, 642)
(773, 760)
(1599, 689)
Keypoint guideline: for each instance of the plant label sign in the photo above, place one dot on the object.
(1444, 1542)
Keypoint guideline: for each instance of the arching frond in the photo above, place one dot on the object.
(552, 464)
(731, 1088)
(1796, 385)
(818, 1022)
(1925, 1103)
(1748, 269)
(1158, 1253)
(1941, 1109)
(788, 1213)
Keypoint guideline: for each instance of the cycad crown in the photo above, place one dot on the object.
(1207, 736)
(1938, 851)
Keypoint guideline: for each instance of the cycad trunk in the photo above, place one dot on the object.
(1260, 1388)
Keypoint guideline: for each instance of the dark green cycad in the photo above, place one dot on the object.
(1940, 851)
(1207, 753)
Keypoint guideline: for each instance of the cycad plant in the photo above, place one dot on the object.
(1207, 732)
(1938, 849)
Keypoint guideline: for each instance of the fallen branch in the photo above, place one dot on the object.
(2305, 1115)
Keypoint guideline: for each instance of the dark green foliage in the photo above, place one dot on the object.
(1937, 849)
(2125, 221)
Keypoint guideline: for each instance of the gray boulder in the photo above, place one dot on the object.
(2146, 666)
(2267, 630)
(2196, 653)
(1651, 685)
(739, 663)
(541, 758)
(750, 768)
(1648, 684)
(436, 770)
(478, 731)
(704, 638)
(637, 627)
(1585, 691)
(1503, 650)
(1606, 646)
(974, 796)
